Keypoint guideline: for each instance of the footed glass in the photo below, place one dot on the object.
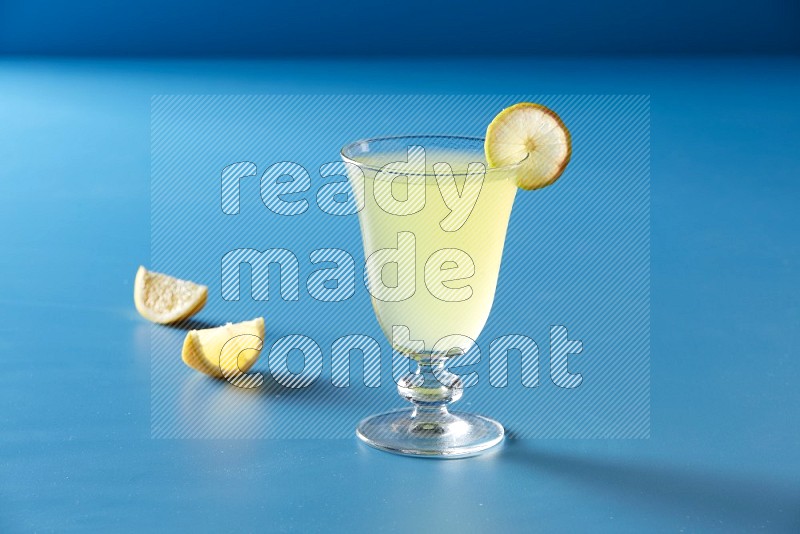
(433, 220)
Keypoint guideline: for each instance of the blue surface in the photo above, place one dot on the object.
(255, 28)
(75, 452)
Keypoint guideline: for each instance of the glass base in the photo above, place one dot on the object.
(439, 434)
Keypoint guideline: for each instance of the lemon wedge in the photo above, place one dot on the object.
(226, 351)
(163, 299)
(534, 136)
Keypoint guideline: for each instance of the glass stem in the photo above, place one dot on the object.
(430, 389)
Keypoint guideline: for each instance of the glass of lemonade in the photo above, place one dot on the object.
(433, 220)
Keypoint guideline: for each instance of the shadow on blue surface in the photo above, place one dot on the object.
(194, 324)
(748, 502)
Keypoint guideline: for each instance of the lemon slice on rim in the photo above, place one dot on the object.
(163, 299)
(226, 351)
(534, 136)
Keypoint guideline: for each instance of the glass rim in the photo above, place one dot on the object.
(349, 159)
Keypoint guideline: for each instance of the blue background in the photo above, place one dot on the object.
(75, 447)
(411, 27)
